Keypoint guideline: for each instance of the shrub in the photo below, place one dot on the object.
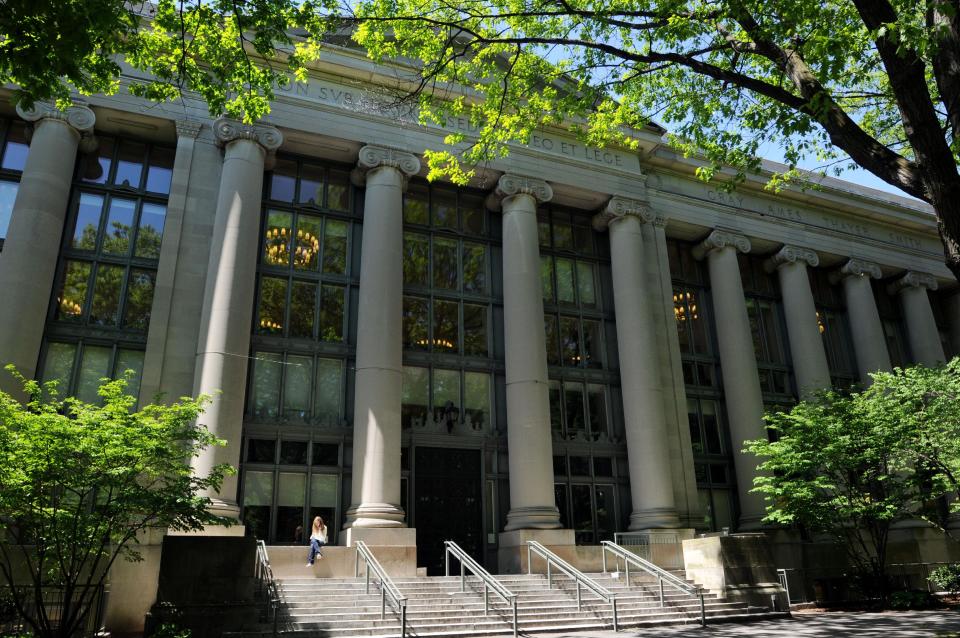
(946, 578)
(911, 599)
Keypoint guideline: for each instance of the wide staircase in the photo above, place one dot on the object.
(477, 603)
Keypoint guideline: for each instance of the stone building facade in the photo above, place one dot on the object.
(579, 340)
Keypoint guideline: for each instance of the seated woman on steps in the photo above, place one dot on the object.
(318, 538)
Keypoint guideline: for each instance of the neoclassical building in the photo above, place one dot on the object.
(580, 340)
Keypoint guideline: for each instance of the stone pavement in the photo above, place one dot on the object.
(910, 624)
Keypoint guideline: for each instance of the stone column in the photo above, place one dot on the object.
(869, 341)
(651, 488)
(379, 380)
(28, 261)
(532, 504)
(806, 345)
(922, 332)
(738, 363)
(228, 297)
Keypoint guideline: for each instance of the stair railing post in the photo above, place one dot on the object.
(626, 569)
(463, 576)
(486, 599)
(446, 560)
(616, 625)
(603, 553)
(403, 621)
(383, 601)
(579, 606)
(549, 576)
(366, 576)
(660, 583)
(529, 561)
(514, 617)
(703, 611)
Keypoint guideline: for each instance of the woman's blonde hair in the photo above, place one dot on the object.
(318, 524)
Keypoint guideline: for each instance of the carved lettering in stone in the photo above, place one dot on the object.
(791, 255)
(619, 208)
(720, 239)
(914, 279)
(78, 116)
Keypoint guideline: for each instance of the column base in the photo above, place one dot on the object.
(530, 518)
(381, 536)
(654, 518)
(375, 515)
(512, 553)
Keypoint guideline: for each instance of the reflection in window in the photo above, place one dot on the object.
(8, 193)
(415, 398)
(257, 498)
(312, 388)
(434, 398)
(578, 411)
(60, 364)
(15, 148)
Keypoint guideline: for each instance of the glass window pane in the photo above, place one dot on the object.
(474, 330)
(698, 323)
(129, 164)
(8, 193)
(570, 341)
(445, 326)
(331, 313)
(556, 410)
(116, 239)
(598, 409)
(416, 259)
(257, 498)
(693, 420)
(338, 190)
(94, 365)
(583, 239)
(293, 452)
(291, 493)
(772, 332)
(415, 401)
(151, 230)
(335, 247)
(326, 406)
(560, 496)
(546, 278)
(297, 378)
(96, 167)
(136, 312)
(267, 371)
(474, 268)
(325, 454)
(323, 490)
(446, 397)
(445, 263)
(574, 405)
(415, 323)
(160, 171)
(311, 185)
(582, 513)
(273, 302)
(754, 316)
(130, 360)
(472, 214)
(303, 306)
(73, 294)
(552, 340)
(711, 427)
(283, 180)
(562, 236)
(476, 400)
(592, 345)
(415, 207)
(602, 466)
(565, 293)
(88, 222)
(15, 150)
(543, 232)
(580, 465)
(444, 207)
(586, 284)
(306, 249)
(58, 366)
(261, 451)
(106, 295)
(276, 241)
(722, 509)
(605, 512)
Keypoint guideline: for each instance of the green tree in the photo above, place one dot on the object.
(79, 485)
(849, 465)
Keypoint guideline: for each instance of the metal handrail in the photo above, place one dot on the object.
(533, 547)
(489, 582)
(663, 576)
(387, 588)
(264, 576)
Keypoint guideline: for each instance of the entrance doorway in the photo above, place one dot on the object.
(448, 501)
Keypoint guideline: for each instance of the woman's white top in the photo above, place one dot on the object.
(320, 536)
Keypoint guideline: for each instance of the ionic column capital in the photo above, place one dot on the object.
(189, 128)
(78, 116)
(791, 255)
(620, 208)
(856, 268)
(913, 279)
(510, 185)
(719, 239)
(372, 157)
(268, 137)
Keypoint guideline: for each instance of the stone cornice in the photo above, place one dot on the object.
(719, 239)
(619, 208)
(510, 185)
(371, 157)
(856, 268)
(78, 116)
(226, 130)
(189, 128)
(791, 255)
(913, 279)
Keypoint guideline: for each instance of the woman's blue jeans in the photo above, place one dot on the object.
(315, 546)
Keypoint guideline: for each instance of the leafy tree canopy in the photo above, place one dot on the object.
(850, 465)
(79, 485)
(874, 83)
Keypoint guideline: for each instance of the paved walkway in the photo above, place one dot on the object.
(909, 624)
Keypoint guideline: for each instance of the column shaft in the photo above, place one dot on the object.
(28, 261)
(741, 382)
(651, 487)
(922, 331)
(869, 341)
